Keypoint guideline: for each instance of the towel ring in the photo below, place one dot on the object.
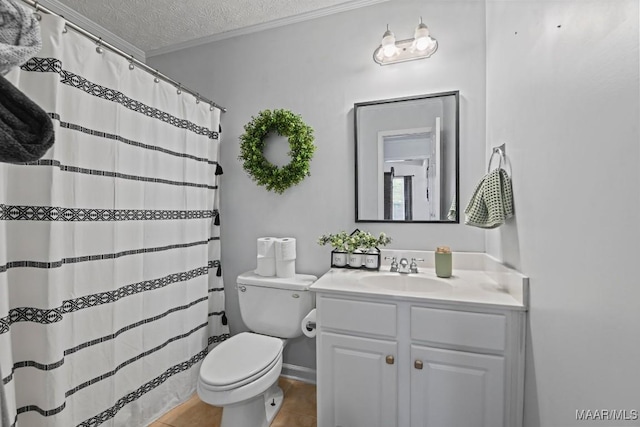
(502, 159)
(496, 150)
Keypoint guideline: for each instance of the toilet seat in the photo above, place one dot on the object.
(240, 360)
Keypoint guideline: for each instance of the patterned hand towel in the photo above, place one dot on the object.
(453, 210)
(19, 35)
(26, 131)
(492, 201)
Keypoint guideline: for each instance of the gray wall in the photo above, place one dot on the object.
(563, 94)
(564, 99)
(319, 69)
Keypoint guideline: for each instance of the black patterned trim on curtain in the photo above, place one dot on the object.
(53, 65)
(93, 132)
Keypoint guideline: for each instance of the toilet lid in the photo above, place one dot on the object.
(240, 358)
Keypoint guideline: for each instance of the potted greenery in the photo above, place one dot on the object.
(356, 249)
(370, 244)
(338, 242)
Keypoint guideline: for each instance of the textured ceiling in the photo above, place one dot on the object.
(155, 24)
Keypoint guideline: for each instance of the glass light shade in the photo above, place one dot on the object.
(421, 36)
(388, 44)
(427, 44)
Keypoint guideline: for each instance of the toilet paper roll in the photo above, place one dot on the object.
(266, 247)
(307, 329)
(285, 249)
(266, 266)
(286, 268)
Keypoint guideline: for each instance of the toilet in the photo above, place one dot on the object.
(241, 373)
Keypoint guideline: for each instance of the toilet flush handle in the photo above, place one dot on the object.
(242, 288)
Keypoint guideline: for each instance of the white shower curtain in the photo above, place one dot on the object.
(110, 286)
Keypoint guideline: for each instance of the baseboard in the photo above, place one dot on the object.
(300, 373)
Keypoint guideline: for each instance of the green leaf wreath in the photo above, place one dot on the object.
(252, 143)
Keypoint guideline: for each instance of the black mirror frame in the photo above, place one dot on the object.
(454, 93)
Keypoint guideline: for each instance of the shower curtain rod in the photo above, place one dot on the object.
(38, 7)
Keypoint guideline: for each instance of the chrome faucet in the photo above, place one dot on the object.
(394, 264)
(403, 267)
(414, 267)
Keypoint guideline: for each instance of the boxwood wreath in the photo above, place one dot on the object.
(252, 144)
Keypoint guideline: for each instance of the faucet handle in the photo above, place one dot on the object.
(413, 266)
(394, 263)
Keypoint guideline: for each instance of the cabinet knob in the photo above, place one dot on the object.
(390, 360)
(417, 364)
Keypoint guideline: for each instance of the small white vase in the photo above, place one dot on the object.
(339, 259)
(371, 260)
(356, 259)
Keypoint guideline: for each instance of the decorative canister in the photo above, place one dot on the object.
(355, 259)
(340, 259)
(372, 259)
(443, 262)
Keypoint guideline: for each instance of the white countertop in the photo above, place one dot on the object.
(493, 286)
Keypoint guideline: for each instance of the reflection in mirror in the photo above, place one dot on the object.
(407, 159)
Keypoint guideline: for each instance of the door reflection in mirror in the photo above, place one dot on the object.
(407, 158)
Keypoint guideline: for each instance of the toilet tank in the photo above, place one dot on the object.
(274, 305)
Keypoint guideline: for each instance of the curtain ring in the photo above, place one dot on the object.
(156, 79)
(64, 29)
(210, 107)
(36, 13)
(131, 66)
(99, 49)
(197, 98)
(179, 91)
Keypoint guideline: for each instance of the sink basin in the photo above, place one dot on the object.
(404, 282)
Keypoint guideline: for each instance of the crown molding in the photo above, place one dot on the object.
(306, 16)
(97, 30)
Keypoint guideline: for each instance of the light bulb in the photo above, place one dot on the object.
(422, 43)
(389, 51)
(426, 43)
(421, 36)
(388, 44)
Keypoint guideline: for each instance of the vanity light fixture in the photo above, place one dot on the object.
(421, 46)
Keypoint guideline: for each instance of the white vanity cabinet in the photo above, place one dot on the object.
(387, 362)
(360, 388)
(357, 368)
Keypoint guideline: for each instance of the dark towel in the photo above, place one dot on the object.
(26, 131)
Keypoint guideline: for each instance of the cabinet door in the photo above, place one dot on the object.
(456, 389)
(357, 381)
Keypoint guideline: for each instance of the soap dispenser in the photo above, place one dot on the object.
(443, 262)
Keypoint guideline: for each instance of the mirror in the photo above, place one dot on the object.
(407, 159)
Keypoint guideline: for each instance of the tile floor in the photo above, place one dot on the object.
(298, 409)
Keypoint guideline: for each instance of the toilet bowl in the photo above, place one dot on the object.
(241, 373)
